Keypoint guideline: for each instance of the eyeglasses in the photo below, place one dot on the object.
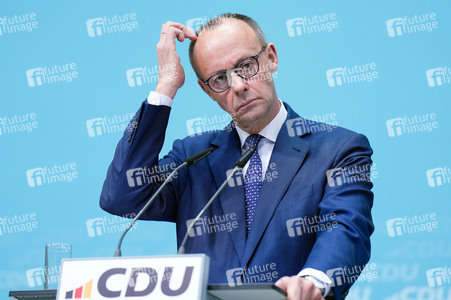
(246, 68)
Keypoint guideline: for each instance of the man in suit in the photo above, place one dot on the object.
(299, 216)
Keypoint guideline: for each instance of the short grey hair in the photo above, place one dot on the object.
(219, 20)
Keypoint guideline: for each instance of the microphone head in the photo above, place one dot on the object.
(241, 162)
(198, 156)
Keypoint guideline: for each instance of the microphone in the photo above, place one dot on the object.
(239, 164)
(187, 162)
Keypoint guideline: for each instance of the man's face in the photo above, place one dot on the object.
(252, 102)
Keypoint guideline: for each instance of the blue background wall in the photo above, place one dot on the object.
(52, 124)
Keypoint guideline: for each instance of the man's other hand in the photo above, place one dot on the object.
(299, 288)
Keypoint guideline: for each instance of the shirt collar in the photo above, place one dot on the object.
(270, 131)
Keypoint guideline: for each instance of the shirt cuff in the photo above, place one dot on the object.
(158, 99)
(319, 276)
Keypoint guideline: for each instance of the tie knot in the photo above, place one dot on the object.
(253, 140)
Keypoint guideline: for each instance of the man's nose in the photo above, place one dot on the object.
(238, 84)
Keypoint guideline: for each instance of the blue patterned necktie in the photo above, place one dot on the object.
(252, 181)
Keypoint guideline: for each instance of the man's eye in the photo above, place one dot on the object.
(220, 78)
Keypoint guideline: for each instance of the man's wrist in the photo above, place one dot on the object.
(321, 286)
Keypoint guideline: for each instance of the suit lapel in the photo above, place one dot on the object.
(287, 156)
(232, 197)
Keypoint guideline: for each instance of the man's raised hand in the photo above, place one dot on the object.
(171, 74)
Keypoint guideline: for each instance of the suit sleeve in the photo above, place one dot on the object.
(343, 251)
(136, 173)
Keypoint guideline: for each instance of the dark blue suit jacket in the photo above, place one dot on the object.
(314, 211)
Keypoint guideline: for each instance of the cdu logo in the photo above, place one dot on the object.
(35, 77)
(335, 77)
(95, 27)
(35, 177)
(95, 227)
(95, 127)
(395, 27)
(135, 77)
(83, 291)
(294, 27)
(35, 277)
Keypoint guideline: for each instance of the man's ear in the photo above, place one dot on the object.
(272, 57)
(206, 89)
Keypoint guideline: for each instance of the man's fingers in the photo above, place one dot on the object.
(178, 29)
(299, 288)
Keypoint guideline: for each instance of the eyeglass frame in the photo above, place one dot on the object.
(228, 72)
